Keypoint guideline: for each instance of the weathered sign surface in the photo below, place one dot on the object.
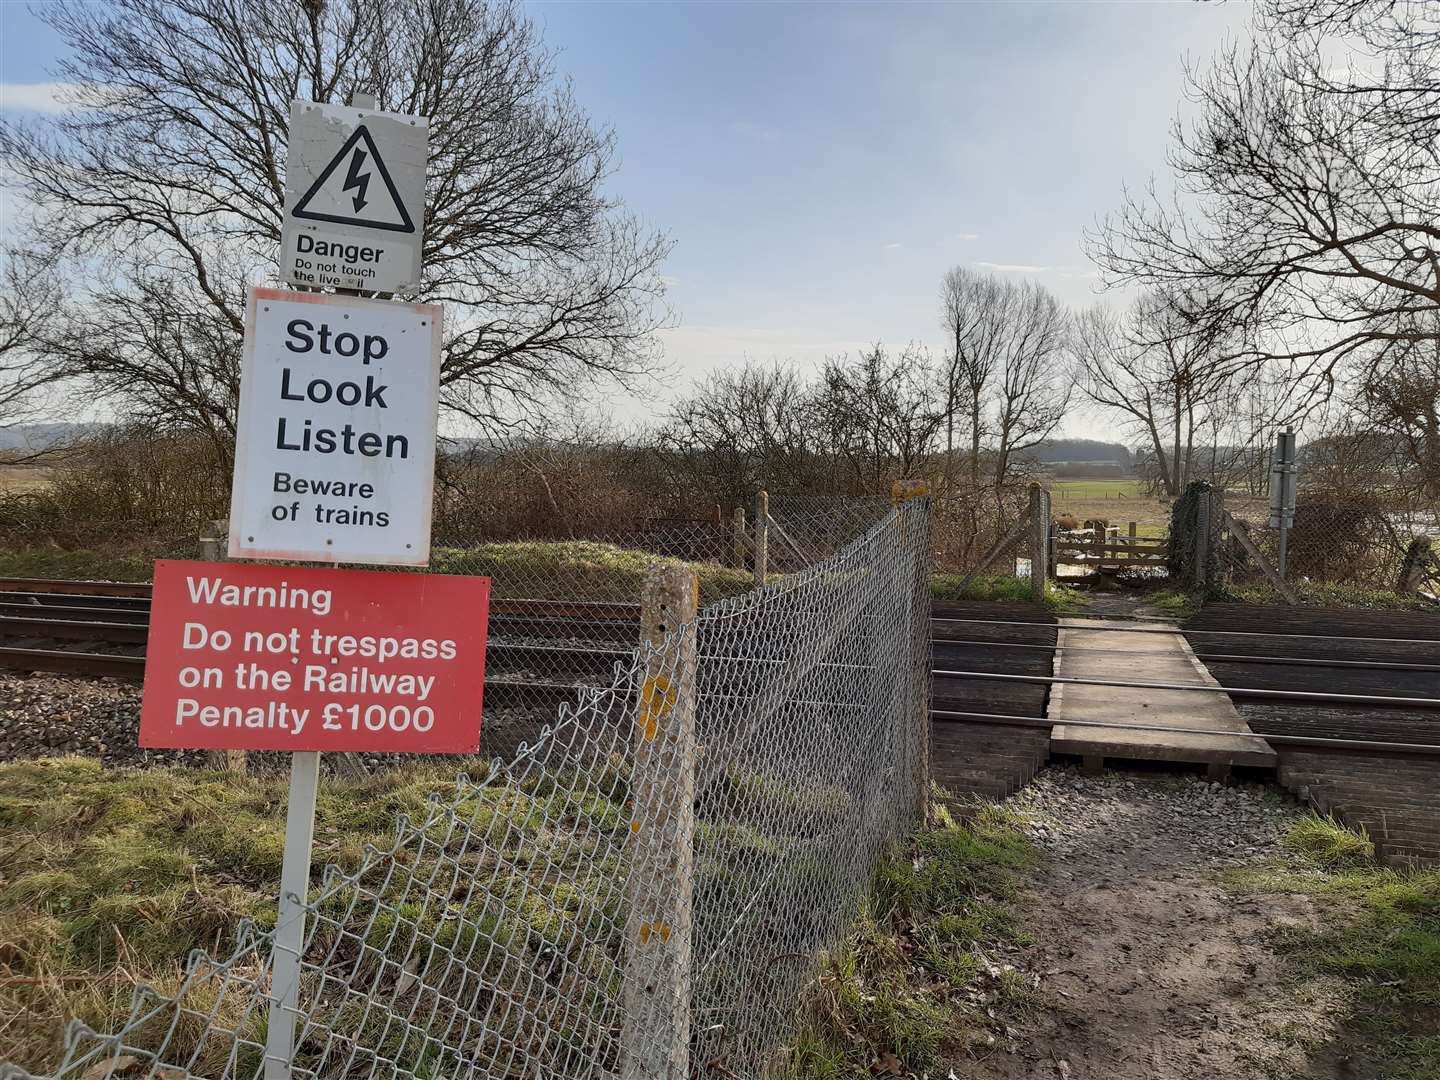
(354, 198)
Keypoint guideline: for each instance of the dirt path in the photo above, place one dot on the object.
(1147, 969)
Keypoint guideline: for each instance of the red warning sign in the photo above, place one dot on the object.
(299, 658)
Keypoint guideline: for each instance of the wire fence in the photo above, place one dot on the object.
(977, 529)
(1341, 550)
(721, 799)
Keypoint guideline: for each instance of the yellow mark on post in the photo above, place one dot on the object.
(657, 698)
(635, 825)
(649, 930)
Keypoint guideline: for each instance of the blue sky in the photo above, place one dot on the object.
(820, 166)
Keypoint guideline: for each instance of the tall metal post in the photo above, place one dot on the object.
(290, 924)
(1202, 539)
(1282, 494)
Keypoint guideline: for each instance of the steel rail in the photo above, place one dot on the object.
(136, 589)
(1006, 720)
(66, 613)
(1236, 691)
(61, 660)
(74, 630)
(1229, 658)
(1187, 630)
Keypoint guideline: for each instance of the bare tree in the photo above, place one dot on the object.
(970, 314)
(880, 413)
(744, 429)
(165, 185)
(1399, 398)
(1155, 369)
(1033, 387)
(29, 296)
(1307, 204)
(1003, 370)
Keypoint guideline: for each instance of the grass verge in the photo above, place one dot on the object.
(109, 877)
(1329, 594)
(559, 570)
(913, 979)
(1060, 599)
(1180, 605)
(1379, 939)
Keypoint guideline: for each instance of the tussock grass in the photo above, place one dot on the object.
(1326, 842)
(1378, 938)
(1060, 599)
(896, 988)
(546, 570)
(110, 877)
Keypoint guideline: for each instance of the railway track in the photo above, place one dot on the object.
(990, 734)
(1373, 761)
(540, 648)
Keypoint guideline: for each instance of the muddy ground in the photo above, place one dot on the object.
(1146, 967)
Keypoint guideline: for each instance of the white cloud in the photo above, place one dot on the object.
(1014, 268)
(46, 97)
(967, 236)
(891, 247)
(759, 132)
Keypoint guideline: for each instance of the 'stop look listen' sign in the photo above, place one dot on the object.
(335, 448)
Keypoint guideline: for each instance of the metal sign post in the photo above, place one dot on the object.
(334, 462)
(290, 922)
(308, 659)
(1282, 493)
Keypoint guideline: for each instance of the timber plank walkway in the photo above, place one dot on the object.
(1195, 725)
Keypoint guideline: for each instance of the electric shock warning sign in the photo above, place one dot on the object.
(354, 198)
(335, 447)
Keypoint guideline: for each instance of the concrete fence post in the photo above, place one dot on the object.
(738, 539)
(659, 888)
(762, 537)
(1039, 541)
(1202, 540)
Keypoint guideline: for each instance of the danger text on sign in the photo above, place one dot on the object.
(354, 198)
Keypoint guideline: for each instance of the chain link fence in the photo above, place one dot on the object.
(718, 803)
(1342, 550)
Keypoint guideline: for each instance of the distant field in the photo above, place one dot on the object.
(15, 478)
(1096, 489)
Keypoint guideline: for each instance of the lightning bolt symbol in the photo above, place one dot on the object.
(353, 179)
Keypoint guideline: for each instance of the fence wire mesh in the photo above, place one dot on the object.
(498, 936)
(1340, 550)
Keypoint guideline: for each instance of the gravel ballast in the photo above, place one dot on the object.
(45, 715)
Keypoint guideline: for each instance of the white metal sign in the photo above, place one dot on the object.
(335, 447)
(354, 198)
